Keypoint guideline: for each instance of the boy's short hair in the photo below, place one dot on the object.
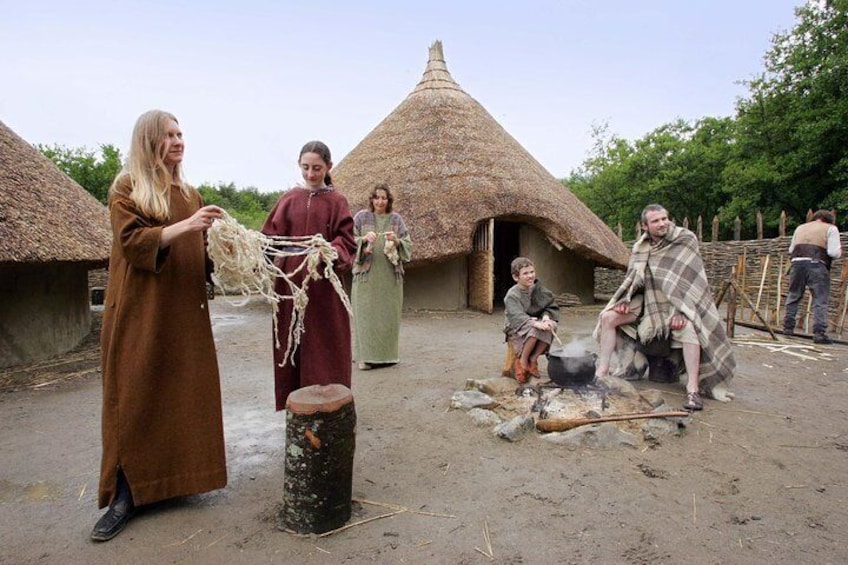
(519, 263)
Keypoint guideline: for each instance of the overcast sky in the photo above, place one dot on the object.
(252, 81)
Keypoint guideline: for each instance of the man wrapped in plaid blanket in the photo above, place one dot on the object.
(665, 295)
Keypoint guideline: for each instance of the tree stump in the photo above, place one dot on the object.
(320, 442)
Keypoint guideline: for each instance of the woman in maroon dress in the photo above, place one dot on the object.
(324, 354)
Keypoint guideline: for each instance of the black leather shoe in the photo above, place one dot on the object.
(113, 521)
(822, 338)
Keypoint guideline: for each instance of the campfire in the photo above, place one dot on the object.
(571, 407)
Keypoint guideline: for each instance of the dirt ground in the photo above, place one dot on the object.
(759, 480)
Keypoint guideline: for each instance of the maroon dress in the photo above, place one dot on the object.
(324, 354)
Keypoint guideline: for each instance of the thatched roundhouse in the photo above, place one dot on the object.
(52, 232)
(473, 199)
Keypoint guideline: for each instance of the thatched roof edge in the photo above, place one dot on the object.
(44, 215)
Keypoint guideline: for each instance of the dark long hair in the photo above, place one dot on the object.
(384, 187)
(319, 148)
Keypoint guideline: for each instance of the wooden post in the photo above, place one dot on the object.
(843, 298)
(781, 228)
(700, 228)
(807, 311)
(765, 265)
(778, 292)
(759, 225)
(731, 305)
(509, 361)
(320, 441)
(638, 230)
(619, 231)
(737, 229)
(809, 215)
(715, 229)
(742, 275)
(686, 222)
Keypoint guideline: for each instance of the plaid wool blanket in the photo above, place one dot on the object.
(671, 276)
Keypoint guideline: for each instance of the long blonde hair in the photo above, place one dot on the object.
(149, 177)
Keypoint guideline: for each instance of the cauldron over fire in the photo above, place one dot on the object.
(568, 369)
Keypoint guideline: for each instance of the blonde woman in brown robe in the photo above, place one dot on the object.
(162, 423)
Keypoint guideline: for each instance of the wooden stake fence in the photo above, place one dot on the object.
(769, 287)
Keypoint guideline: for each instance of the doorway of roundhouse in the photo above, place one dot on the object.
(496, 243)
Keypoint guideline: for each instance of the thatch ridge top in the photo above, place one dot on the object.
(452, 165)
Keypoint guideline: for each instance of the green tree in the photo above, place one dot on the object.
(786, 149)
(793, 142)
(678, 165)
(93, 170)
(248, 206)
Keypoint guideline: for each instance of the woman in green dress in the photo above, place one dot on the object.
(383, 245)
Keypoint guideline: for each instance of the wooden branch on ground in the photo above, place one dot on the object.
(564, 424)
(797, 336)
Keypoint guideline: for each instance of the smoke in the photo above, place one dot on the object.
(577, 347)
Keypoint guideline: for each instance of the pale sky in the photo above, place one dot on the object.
(252, 81)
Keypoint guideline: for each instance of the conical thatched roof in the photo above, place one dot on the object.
(44, 215)
(452, 165)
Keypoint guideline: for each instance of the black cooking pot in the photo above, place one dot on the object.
(571, 370)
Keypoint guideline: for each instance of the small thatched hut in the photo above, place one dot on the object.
(52, 232)
(473, 199)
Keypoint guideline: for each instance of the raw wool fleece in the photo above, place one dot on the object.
(674, 267)
(162, 422)
(366, 221)
(324, 355)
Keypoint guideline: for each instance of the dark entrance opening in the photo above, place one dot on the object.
(506, 248)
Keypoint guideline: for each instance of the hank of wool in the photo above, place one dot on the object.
(245, 264)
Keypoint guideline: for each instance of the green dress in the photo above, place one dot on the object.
(377, 295)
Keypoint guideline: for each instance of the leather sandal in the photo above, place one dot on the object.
(693, 402)
(520, 373)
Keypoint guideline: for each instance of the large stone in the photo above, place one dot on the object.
(656, 428)
(679, 420)
(654, 397)
(600, 436)
(468, 399)
(517, 428)
(484, 417)
(494, 387)
(619, 386)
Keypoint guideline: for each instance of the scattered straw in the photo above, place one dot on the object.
(694, 510)
(245, 264)
(399, 507)
(176, 543)
(360, 522)
(396, 509)
(216, 541)
(488, 539)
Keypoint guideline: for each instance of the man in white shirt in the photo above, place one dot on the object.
(814, 245)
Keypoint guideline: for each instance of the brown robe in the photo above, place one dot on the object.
(324, 355)
(162, 421)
